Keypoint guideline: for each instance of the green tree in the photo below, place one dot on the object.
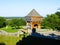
(15, 22)
(51, 21)
(22, 22)
(2, 22)
(58, 13)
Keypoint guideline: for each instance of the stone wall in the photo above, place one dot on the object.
(2, 32)
(45, 32)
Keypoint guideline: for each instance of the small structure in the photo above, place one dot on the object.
(33, 19)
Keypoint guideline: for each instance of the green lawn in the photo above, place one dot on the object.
(9, 29)
(10, 40)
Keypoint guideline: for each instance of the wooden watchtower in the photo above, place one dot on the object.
(33, 19)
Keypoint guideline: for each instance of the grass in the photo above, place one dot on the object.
(9, 29)
(10, 40)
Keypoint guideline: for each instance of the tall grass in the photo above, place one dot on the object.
(10, 40)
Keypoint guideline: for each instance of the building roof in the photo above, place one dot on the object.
(33, 13)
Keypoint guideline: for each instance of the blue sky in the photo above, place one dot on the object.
(21, 8)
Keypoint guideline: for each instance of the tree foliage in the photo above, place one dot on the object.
(51, 22)
(15, 22)
(2, 22)
(22, 22)
(58, 13)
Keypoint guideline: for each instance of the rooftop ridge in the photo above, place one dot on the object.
(33, 13)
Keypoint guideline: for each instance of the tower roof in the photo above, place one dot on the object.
(33, 13)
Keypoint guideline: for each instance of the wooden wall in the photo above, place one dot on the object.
(38, 23)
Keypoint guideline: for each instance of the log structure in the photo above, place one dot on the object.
(33, 19)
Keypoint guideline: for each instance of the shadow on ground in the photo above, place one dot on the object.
(2, 43)
(38, 39)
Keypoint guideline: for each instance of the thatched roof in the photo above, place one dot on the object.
(33, 13)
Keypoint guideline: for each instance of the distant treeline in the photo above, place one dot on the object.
(13, 17)
(15, 22)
